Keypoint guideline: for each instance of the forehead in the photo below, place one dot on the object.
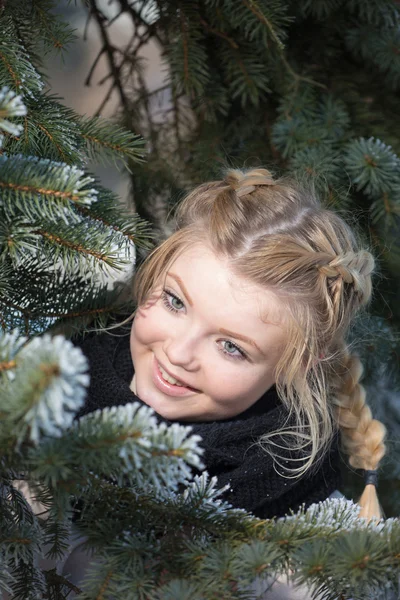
(210, 278)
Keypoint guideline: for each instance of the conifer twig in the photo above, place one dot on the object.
(53, 578)
(67, 244)
(218, 33)
(138, 20)
(109, 50)
(250, 4)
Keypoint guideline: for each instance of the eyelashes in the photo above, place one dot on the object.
(241, 356)
(168, 299)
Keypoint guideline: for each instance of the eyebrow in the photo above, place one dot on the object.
(182, 286)
(241, 337)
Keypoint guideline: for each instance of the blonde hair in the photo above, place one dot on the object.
(278, 236)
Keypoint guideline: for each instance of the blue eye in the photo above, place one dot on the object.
(176, 302)
(232, 350)
(172, 302)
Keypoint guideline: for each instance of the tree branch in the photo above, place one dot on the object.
(138, 20)
(109, 50)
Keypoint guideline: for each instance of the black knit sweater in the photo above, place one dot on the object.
(231, 451)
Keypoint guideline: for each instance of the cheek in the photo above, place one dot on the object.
(227, 382)
(138, 333)
(139, 337)
(254, 382)
(146, 327)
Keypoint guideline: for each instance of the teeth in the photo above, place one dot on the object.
(169, 378)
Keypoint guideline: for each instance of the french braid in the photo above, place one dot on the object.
(362, 436)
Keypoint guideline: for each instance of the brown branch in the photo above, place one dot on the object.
(109, 75)
(46, 132)
(91, 138)
(78, 247)
(9, 69)
(261, 17)
(93, 67)
(138, 20)
(53, 578)
(24, 311)
(86, 212)
(386, 202)
(8, 134)
(57, 43)
(219, 33)
(146, 104)
(105, 100)
(104, 442)
(176, 119)
(109, 50)
(103, 588)
(43, 191)
(243, 68)
(250, 4)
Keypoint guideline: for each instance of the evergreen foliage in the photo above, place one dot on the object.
(59, 228)
(117, 477)
(308, 88)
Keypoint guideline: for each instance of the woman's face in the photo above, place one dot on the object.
(206, 343)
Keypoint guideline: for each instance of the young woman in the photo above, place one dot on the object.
(240, 331)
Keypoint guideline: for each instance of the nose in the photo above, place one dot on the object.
(181, 349)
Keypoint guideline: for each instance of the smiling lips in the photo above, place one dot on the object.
(168, 384)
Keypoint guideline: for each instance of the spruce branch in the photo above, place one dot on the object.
(376, 12)
(48, 387)
(372, 166)
(321, 165)
(81, 248)
(123, 222)
(26, 181)
(55, 34)
(188, 65)
(107, 140)
(18, 71)
(253, 6)
(54, 580)
(321, 9)
(218, 33)
(246, 74)
(52, 128)
(34, 299)
(11, 105)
